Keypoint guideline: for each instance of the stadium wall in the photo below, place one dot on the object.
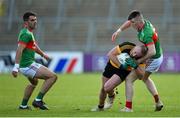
(78, 62)
(98, 62)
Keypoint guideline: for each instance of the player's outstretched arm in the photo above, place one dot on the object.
(124, 26)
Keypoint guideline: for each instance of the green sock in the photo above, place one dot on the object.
(24, 102)
(40, 96)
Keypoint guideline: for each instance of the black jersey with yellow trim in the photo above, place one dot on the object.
(124, 47)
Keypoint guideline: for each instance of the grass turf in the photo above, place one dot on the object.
(75, 94)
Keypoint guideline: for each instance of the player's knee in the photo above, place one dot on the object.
(33, 86)
(53, 78)
(34, 82)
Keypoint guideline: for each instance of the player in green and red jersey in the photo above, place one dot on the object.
(148, 36)
(25, 63)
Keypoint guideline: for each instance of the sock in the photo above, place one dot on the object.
(40, 96)
(111, 96)
(156, 98)
(24, 102)
(129, 104)
(100, 106)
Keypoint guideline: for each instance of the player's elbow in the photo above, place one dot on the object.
(152, 53)
(109, 55)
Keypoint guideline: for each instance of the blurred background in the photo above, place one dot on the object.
(67, 28)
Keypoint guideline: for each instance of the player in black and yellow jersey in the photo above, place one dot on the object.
(115, 73)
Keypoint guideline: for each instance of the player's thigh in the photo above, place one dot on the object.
(146, 75)
(104, 80)
(113, 82)
(44, 73)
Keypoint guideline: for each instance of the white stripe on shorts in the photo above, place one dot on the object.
(31, 70)
(153, 65)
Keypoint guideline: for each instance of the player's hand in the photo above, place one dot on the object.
(15, 70)
(47, 57)
(131, 62)
(115, 34)
(125, 66)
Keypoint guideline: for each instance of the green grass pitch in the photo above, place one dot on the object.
(75, 94)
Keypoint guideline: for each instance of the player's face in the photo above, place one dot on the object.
(32, 22)
(134, 24)
(136, 52)
(137, 23)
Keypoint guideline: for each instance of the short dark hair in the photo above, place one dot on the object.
(27, 15)
(134, 14)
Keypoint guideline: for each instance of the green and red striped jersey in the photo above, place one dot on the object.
(148, 36)
(26, 38)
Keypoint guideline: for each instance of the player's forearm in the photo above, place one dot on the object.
(151, 52)
(18, 55)
(143, 59)
(124, 26)
(39, 51)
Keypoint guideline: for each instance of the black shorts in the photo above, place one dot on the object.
(110, 70)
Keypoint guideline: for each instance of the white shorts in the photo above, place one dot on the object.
(31, 70)
(153, 65)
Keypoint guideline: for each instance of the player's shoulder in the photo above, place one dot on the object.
(24, 31)
(148, 27)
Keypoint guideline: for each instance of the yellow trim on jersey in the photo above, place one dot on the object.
(113, 64)
(125, 47)
(142, 65)
(118, 49)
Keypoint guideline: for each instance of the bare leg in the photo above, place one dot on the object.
(112, 83)
(49, 77)
(152, 88)
(129, 91)
(109, 86)
(129, 85)
(102, 94)
(28, 91)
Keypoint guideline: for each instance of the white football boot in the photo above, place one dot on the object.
(159, 106)
(125, 109)
(109, 102)
(97, 109)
